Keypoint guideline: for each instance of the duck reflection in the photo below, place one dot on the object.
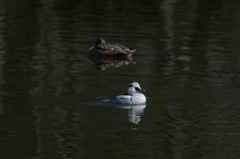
(107, 62)
(134, 112)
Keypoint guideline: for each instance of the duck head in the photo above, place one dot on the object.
(134, 87)
(100, 41)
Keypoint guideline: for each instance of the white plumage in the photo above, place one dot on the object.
(134, 95)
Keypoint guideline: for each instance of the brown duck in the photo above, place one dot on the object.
(102, 48)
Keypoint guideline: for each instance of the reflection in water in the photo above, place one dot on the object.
(134, 112)
(106, 62)
(55, 134)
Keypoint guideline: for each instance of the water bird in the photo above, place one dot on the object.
(102, 48)
(134, 95)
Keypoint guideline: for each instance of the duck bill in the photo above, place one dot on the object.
(142, 90)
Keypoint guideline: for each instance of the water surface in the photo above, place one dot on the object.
(187, 59)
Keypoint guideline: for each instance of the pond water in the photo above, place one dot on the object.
(187, 60)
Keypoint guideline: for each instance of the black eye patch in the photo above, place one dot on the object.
(137, 89)
(130, 86)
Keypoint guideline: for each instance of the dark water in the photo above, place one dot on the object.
(188, 60)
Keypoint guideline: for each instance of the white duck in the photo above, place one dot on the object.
(134, 95)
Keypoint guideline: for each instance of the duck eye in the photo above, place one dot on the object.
(137, 89)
